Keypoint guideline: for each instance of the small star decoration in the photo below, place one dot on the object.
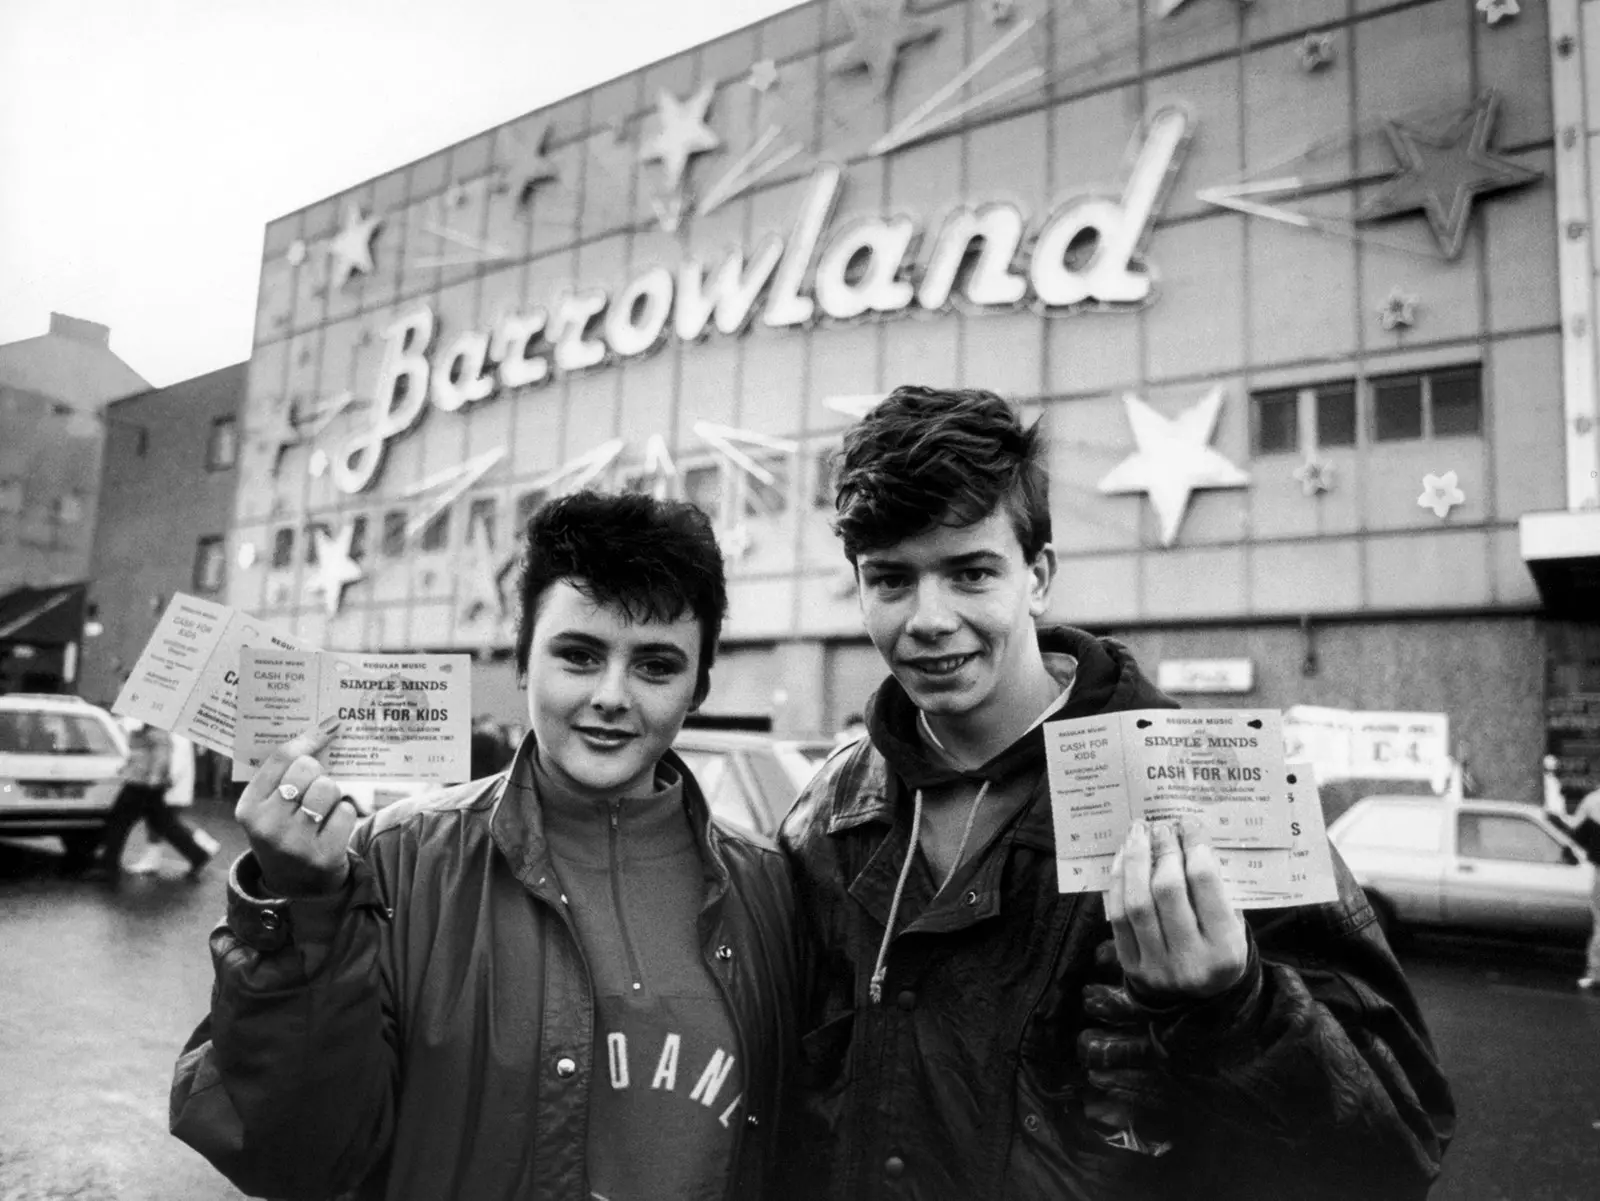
(880, 29)
(763, 75)
(296, 254)
(1316, 52)
(1315, 476)
(1398, 310)
(1441, 494)
(1495, 11)
(684, 133)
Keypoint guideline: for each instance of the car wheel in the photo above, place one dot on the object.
(1387, 923)
(80, 846)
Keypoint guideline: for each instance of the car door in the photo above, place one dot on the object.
(1395, 846)
(1509, 872)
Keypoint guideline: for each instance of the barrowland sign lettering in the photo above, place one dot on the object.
(867, 267)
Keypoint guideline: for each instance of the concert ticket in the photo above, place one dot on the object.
(187, 677)
(404, 717)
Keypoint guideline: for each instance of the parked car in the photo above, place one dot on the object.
(1486, 865)
(751, 780)
(60, 764)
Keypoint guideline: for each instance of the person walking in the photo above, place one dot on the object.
(968, 1030)
(1586, 830)
(564, 980)
(147, 775)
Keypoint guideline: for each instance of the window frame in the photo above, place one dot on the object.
(214, 461)
(209, 543)
(1426, 377)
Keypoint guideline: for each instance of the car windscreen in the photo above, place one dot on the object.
(25, 732)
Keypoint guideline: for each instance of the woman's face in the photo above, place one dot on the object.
(607, 695)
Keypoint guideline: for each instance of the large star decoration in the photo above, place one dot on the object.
(1315, 476)
(1441, 494)
(351, 248)
(335, 569)
(1174, 458)
(1443, 170)
(683, 134)
(880, 30)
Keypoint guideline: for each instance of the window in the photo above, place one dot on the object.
(209, 564)
(702, 488)
(283, 548)
(10, 495)
(436, 534)
(1336, 414)
(222, 451)
(1277, 422)
(358, 538)
(1446, 403)
(69, 508)
(313, 528)
(762, 499)
(527, 505)
(1505, 837)
(1397, 408)
(1397, 827)
(1456, 402)
(482, 515)
(394, 534)
(141, 446)
(822, 489)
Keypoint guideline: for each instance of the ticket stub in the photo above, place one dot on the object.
(402, 716)
(186, 679)
(1088, 786)
(1303, 873)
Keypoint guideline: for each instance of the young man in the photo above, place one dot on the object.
(562, 981)
(969, 1031)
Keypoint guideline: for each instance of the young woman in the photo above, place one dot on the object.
(562, 981)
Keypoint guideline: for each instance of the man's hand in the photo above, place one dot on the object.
(1175, 933)
(297, 820)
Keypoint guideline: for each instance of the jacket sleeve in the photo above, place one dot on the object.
(288, 1085)
(1314, 1076)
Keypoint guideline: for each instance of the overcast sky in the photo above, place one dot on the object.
(144, 144)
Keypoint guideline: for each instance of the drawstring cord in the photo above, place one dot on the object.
(880, 969)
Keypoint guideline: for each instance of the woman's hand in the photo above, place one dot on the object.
(1175, 933)
(297, 820)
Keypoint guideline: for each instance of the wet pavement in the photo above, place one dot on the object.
(100, 986)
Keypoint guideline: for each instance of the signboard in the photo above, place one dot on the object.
(1342, 744)
(1206, 675)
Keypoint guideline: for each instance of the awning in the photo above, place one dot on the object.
(43, 616)
(1562, 551)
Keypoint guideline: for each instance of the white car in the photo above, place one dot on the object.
(60, 768)
(1488, 865)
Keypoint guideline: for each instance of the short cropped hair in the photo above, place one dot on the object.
(927, 456)
(654, 559)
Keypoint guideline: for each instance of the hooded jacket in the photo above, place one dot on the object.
(1312, 1077)
(429, 1033)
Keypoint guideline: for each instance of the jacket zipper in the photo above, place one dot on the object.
(616, 897)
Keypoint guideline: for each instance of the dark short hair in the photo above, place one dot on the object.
(927, 456)
(654, 559)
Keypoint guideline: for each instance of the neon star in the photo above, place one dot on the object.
(683, 134)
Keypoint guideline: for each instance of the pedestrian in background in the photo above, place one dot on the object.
(1586, 830)
(180, 795)
(147, 775)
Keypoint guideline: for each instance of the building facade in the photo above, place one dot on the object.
(1285, 281)
(166, 498)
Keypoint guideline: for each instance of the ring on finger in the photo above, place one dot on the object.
(288, 792)
(316, 817)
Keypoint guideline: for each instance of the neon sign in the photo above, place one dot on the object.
(1086, 254)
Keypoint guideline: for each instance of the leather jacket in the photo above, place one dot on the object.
(429, 1033)
(1312, 1077)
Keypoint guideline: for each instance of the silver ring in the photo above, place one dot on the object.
(288, 792)
(316, 817)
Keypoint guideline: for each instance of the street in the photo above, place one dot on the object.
(102, 986)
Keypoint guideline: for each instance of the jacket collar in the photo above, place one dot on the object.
(518, 828)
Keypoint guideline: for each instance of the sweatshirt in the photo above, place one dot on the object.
(667, 1088)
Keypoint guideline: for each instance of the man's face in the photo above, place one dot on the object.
(951, 611)
(606, 695)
